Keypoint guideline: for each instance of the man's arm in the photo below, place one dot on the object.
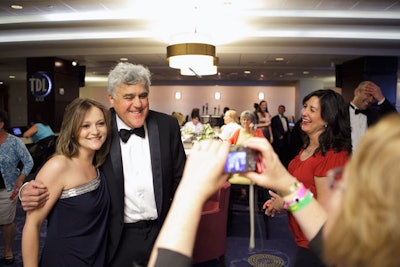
(33, 195)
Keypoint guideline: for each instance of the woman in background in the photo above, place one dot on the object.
(194, 125)
(12, 152)
(44, 139)
(231, 124)
(264, 120)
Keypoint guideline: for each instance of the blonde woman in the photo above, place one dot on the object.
(231, 124)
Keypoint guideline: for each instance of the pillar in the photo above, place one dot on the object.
(52, 83)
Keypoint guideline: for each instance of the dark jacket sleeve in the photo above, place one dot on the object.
(316, 244)
(169, 258)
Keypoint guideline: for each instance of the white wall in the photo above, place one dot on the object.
(239, 98)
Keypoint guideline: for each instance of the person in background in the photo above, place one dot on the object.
(231, 124)
(326, 124)
(142, 170)
(12, 152)
(194, 125)
(221, 120)
(280, 131)
(180, 117)
(264, 121)
(256, 107)
(77, 190)
(364, 111)
(247, 129)
(44, 139)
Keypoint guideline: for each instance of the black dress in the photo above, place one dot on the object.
(77, 226)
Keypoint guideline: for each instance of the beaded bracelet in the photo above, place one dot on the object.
(301, 203)
(300, 191)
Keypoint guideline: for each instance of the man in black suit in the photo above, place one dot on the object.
(280, 131)
(366, 108)
(143, 168)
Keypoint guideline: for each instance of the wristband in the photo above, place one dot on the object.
(299, 205)
(300, 194)
(292, 189)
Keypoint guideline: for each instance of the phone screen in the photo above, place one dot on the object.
(236, 162)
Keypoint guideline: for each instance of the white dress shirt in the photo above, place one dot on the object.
(228, 129)
(284, 123)
(358, 125)
(140, 203)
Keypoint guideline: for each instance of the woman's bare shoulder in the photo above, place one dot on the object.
(54, 168)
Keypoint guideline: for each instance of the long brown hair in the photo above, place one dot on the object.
(67, 142)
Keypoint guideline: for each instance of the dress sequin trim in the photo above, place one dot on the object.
(82, 189)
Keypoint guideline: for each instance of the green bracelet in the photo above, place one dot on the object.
(301, 203)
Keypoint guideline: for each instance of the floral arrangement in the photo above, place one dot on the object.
(208, 132)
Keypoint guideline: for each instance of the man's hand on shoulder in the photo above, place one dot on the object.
(33, 195)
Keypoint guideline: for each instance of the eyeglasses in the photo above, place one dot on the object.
(335, 178)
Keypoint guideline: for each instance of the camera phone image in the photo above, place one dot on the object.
(240, 159)
(236, 162)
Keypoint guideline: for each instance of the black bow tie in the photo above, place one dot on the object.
(125, 134)
(358, 111)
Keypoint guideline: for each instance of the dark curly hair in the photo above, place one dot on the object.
(335, 112)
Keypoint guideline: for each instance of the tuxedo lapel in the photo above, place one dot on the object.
(114, 170)
(155, 153)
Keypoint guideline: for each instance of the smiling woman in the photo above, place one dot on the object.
(326, 125)
(73, 180)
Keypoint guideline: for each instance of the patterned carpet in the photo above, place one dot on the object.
(274, 245)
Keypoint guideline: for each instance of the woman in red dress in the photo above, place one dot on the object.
(327, 145)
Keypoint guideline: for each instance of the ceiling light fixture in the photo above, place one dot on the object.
(193, 59)
(74, 63)
(16, 7)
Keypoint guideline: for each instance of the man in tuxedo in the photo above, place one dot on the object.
(280, 131)
(143, 168)
(366, 108)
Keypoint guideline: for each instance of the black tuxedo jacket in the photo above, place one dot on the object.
(375, 112)
(167, 160)
(277, 129)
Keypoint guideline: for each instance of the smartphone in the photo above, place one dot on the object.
(291, 124)
(242, 159)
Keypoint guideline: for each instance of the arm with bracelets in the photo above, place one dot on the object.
(309, 214)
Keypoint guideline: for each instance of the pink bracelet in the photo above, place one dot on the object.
(300, 194)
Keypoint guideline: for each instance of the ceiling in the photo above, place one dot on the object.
(311, 35)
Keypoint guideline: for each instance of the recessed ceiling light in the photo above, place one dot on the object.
(306, 72)
(16, 7)
(279, 59)
(123, 59)
(247, 72)
(11, 76)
